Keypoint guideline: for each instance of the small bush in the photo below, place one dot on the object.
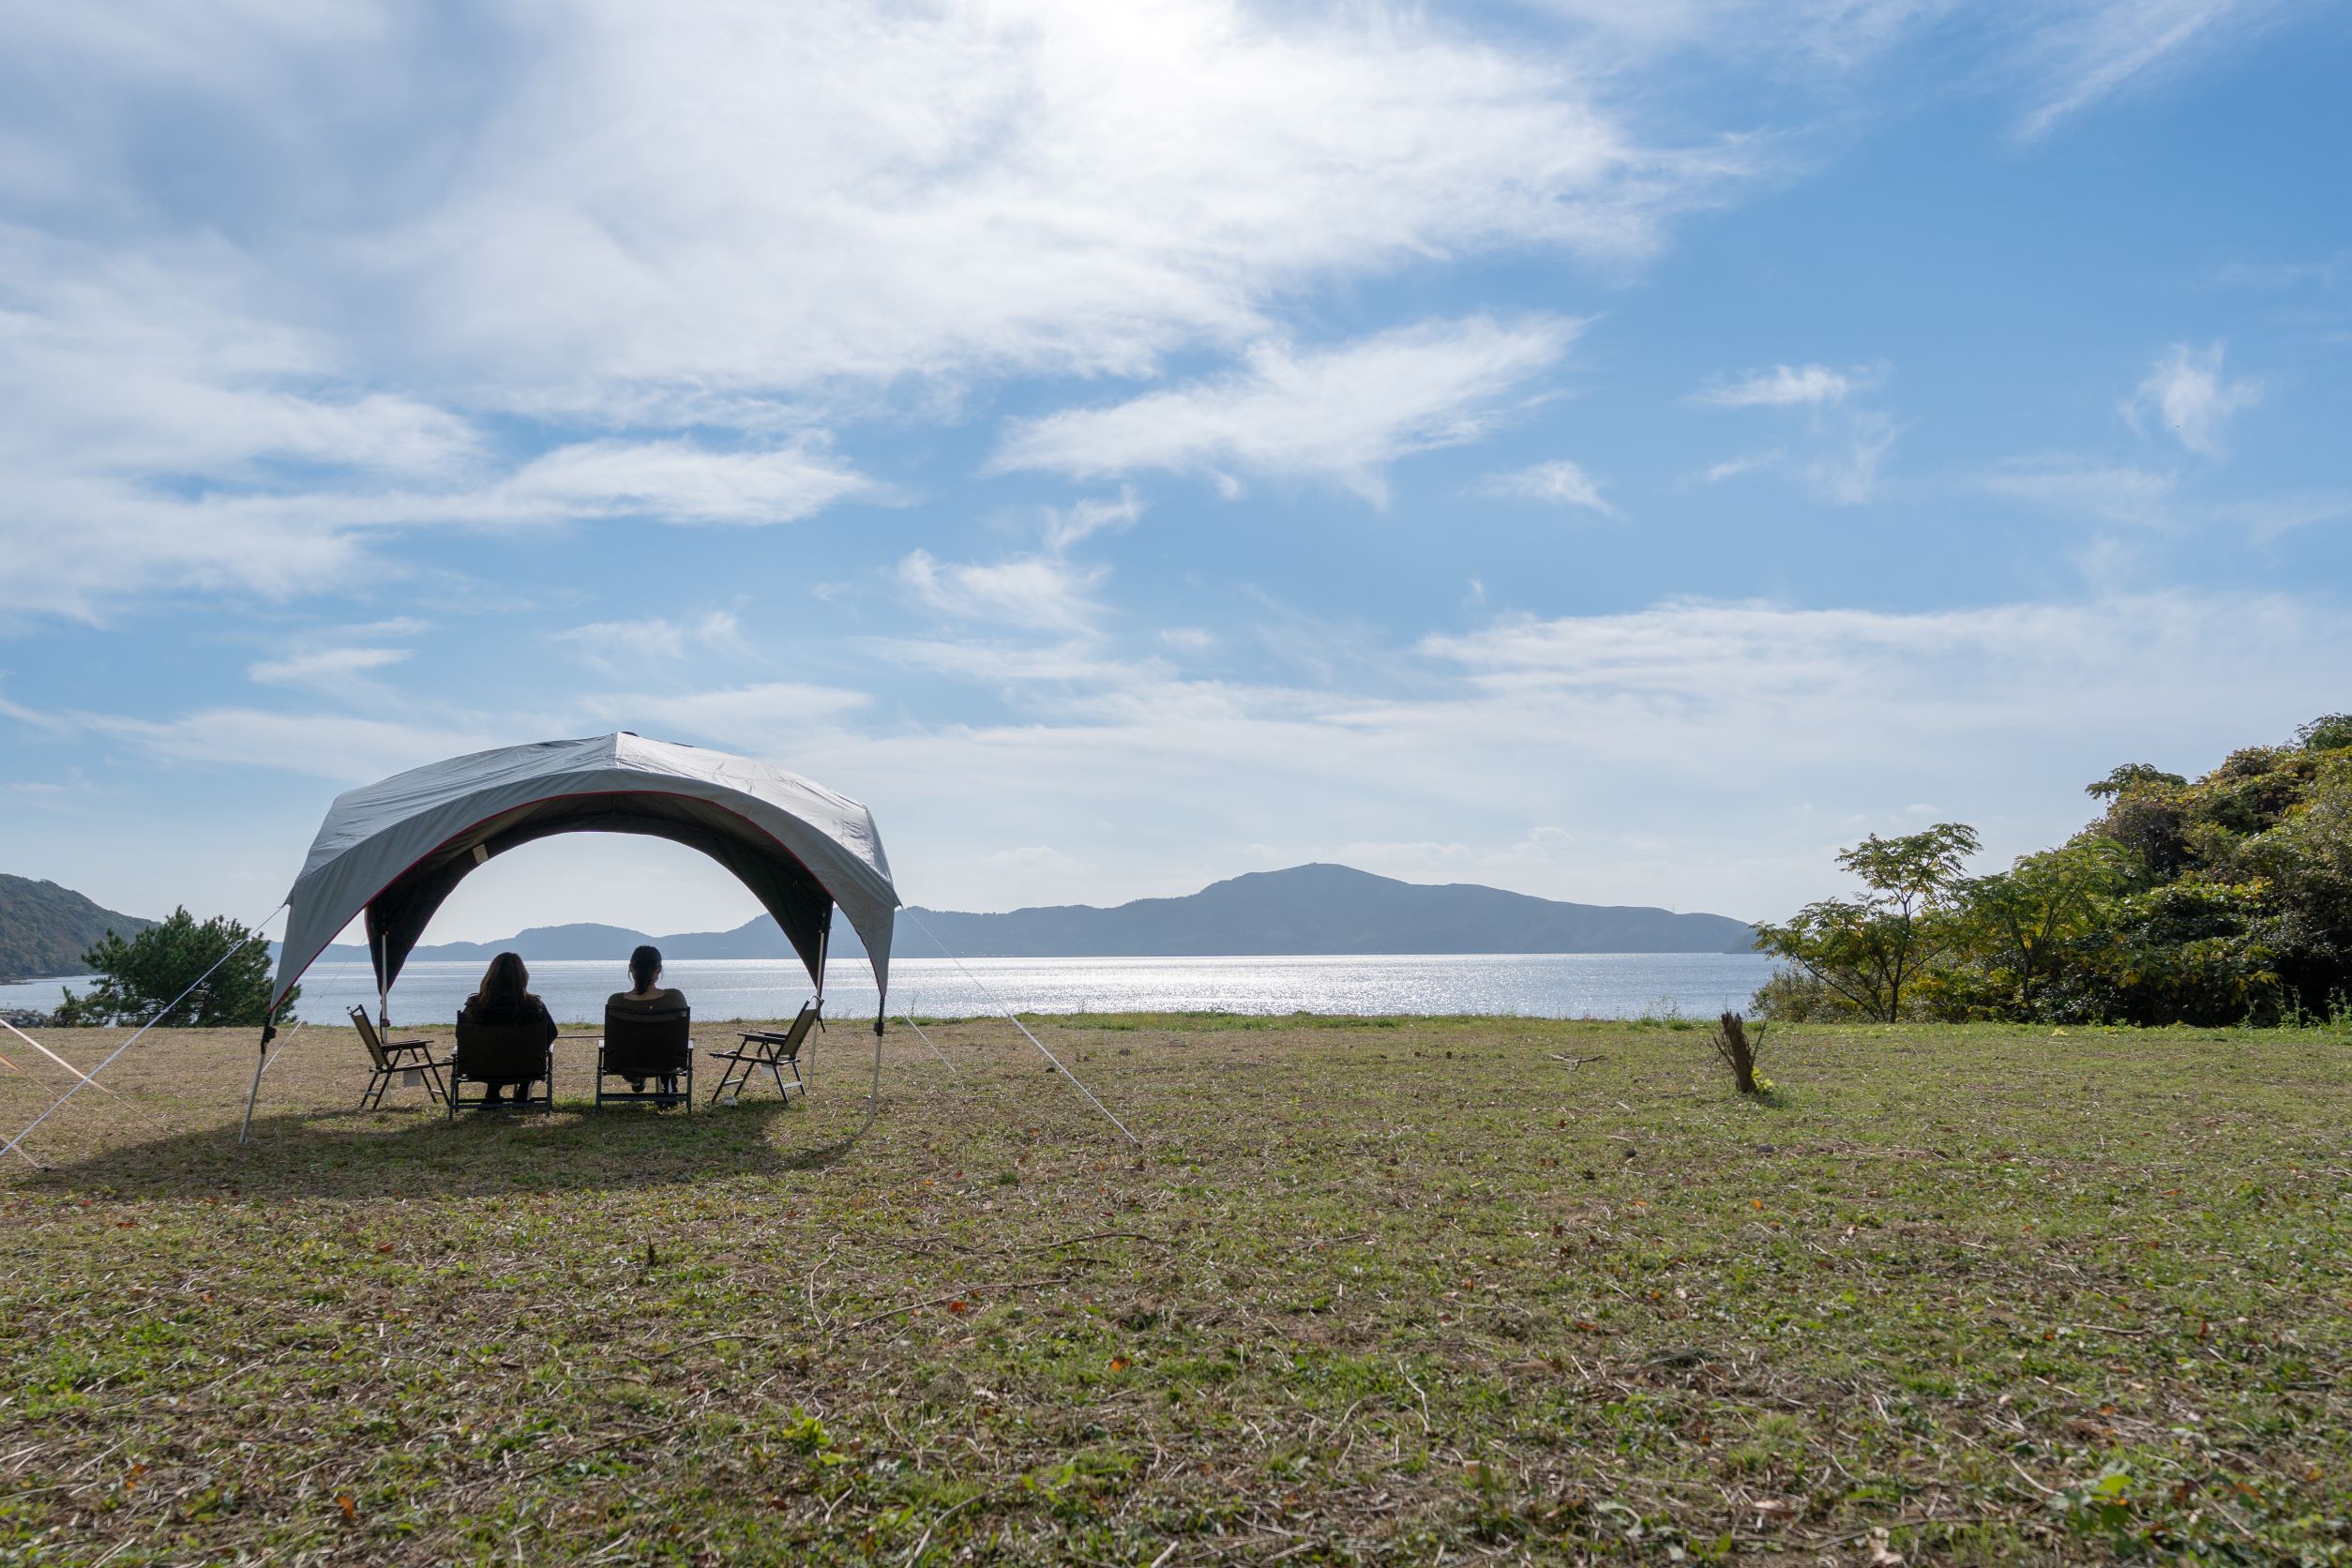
(1792, 996)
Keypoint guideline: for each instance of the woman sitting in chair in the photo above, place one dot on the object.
(647, 997)
(505, 999)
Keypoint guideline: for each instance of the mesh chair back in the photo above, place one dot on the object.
(501, 1052)
(647, 1045)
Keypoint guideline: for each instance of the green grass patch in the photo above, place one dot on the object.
(1376, 1290)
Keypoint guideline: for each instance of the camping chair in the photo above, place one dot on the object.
(761, 1048)
(411, 1059)
(646, 1046)
(493, 1053)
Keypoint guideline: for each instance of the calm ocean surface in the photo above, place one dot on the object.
(1563, 985)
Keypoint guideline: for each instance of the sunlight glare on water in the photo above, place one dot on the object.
(1578, 985)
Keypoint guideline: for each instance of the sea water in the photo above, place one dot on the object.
(1550, 985)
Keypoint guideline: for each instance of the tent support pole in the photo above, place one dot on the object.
(384, 992)
(261, 1060)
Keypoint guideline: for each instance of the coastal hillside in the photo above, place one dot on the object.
(1328, 909)
(1304, 910)
(45, 928)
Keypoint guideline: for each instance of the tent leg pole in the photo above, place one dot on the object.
(261, 1060)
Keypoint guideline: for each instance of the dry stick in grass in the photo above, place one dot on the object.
(1733, 1045)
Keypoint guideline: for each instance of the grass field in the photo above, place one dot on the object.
(1376, 1290)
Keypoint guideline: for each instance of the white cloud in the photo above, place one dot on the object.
(341, 672)
(2187, 394)
(1188, 639)
(325, 744)
(2324, 273)
(1576, 721)
(673, 481)
(1833, 36)
(706, 234)
(2086, 51)
(1068, 525)
(1847, 473)
(996, 663)
(1341, 414)
(1842, 446)
(1785, 386)
(1034, 592)
(1447, 754)
(1732, 467)
(769, 718)
(1560, 482)
(2109, 492)
(2268, 518)
(748, 199)
(654, 639)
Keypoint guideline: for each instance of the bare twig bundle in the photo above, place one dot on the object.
(1734, 1046)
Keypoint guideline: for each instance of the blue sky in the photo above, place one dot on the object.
(1617, 452)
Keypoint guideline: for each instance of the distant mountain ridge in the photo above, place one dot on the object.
(45, 928)
(1307, 910)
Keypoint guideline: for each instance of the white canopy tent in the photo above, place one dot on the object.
(392, 851)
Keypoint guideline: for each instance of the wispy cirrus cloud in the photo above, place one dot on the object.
(655, 640)
(2105, 492)
(1558, 483)
(1341, 414)
(1034, 592)
(2075, 55)
(337, 671)
(1785, 386)
(1842, 446)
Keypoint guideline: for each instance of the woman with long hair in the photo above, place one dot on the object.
(503, 998)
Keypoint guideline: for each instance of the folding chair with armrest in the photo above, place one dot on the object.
(387, 1058)
(759, 1048)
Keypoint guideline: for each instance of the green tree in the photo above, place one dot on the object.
(1873, 950)
(2328, 733)
(138, 976)
(2304, 864)
(2132, 776)
(2018, 928)
(2189, 952)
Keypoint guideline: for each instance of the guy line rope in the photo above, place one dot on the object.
(253, 936)
(1024, 1029)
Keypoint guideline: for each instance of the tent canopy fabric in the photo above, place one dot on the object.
(394, 850)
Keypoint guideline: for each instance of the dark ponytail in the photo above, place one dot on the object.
(645, 966)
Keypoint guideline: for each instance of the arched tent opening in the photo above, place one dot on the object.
(390, 853)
